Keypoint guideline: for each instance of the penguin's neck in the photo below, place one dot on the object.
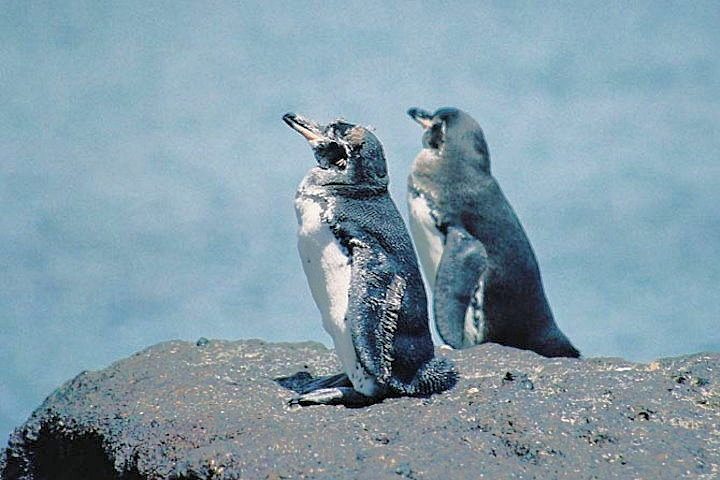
(464, 161)
(362, 192)
(452, 166)
(309, 188)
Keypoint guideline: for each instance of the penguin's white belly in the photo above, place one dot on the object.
(327, 268)
(429, 240)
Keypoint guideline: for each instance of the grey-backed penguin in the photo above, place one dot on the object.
(476, 256)
(363, 275)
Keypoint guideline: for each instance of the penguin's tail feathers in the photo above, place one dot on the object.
(435, 376)
(556, 344)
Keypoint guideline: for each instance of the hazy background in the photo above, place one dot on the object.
(146, 178)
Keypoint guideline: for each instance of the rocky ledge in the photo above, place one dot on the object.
(211, 410)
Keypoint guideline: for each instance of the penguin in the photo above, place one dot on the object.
(477, 259)
(363, 274)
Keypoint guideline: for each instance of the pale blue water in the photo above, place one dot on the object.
(146, 178)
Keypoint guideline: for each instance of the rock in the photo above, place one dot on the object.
(211, 410)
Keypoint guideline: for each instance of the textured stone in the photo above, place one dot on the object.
(211, 410)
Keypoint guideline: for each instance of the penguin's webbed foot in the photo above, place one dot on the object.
(346, 396)
(329, 390)
(304, 382)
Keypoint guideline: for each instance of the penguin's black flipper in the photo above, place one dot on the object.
(373, 316)
(346, 396)
(463, 261)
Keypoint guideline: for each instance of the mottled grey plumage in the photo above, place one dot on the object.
(475, 254)
(363, 273)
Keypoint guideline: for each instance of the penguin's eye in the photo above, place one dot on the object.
(435, 134)
(335, 154)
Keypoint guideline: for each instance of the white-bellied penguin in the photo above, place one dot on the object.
(477, 259)
(363, 274)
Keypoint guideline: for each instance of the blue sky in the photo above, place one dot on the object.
(147, 180)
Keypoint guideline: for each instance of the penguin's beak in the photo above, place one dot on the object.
(307, 128)
(423, 117)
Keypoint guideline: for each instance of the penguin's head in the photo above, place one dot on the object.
(347, 154)
(453, 134)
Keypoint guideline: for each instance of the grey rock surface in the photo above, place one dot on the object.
(212, 411)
